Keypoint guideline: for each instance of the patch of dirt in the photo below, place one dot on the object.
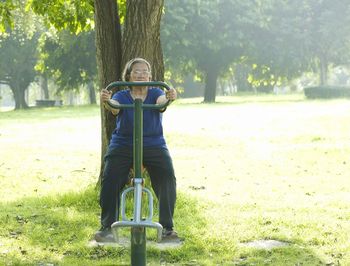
(265, 244)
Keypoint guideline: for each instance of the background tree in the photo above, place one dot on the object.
(267, 43)
(201, 35)
(18, 53)
(70, 59)
(276, 53)
(6, 18)
(73, 15)
(18, 57)
(296, 37)
(327, 33)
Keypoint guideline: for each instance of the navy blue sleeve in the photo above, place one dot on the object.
(120, 96)
(156, 92)
(159, 92)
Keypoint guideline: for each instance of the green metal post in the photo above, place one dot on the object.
(138, 246)
(138, 234)
(138, 141)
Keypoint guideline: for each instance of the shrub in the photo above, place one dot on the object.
(327, 92)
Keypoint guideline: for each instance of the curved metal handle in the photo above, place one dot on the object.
(123, 203)
(137, 84)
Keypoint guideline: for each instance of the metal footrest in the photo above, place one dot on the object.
(116, 225)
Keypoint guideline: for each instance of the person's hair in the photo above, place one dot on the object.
(128, 67)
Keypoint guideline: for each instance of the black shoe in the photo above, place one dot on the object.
(104, 235)
(170, 235)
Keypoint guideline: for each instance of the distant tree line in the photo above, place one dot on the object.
(261, 43)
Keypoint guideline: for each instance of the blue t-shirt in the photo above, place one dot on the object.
(152, 121)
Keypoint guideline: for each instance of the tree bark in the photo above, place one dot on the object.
(210, 86)
(18, 95)
(44, 86)
(108, 57)
(141, 35)
(323, 70)
(91, 91)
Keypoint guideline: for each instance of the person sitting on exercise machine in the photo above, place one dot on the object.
(119, 156)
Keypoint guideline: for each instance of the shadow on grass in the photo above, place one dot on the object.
(289, 255)
(56, 230)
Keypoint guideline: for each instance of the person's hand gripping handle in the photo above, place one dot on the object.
(171, 94)
(106, 95)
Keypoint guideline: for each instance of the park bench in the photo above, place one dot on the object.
(48, 103)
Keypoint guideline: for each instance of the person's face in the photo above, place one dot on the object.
(140, 72)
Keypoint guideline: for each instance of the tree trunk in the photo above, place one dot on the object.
(233, 85)
(108, 57)
(92, 94)
(21, 99)
(19, 96)
(210, 86)
(241, 75)
(16, 97)
(45, 87)
(71, 98)
(323, 70)
(141, 35)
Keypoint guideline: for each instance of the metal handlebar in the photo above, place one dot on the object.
(137, 84)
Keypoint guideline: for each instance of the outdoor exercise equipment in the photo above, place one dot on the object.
(137, 224)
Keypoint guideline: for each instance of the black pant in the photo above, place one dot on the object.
(159, 165)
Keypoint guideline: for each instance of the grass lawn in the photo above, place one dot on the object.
(248, 168)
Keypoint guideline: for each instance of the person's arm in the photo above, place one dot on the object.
(169, 95)
(105, 97)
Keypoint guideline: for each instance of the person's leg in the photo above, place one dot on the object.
(160, 168)
(114, 179)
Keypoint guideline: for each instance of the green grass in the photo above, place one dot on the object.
(248, 168)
